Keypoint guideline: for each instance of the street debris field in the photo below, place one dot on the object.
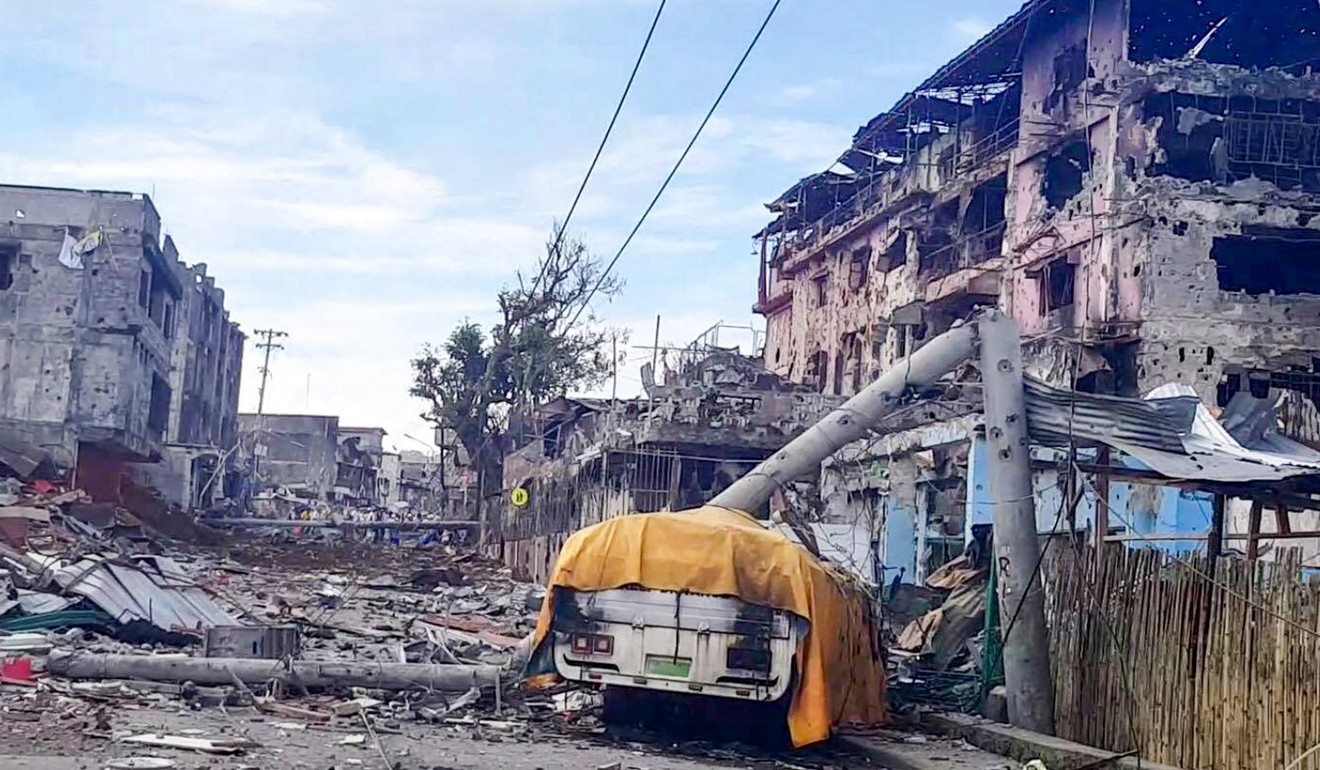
(126, 647)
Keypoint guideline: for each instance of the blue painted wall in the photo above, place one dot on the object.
(900, 546)
(1149, 510)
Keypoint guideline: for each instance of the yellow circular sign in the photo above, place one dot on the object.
(519, 497)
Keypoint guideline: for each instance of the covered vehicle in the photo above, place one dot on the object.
(796, 628)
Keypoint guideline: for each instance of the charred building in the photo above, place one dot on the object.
(1141, 175)
(1136, 181)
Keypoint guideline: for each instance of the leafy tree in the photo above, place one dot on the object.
(547, 342)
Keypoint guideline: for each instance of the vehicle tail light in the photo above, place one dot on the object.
(589, 644)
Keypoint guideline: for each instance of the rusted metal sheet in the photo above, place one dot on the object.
(1057, 417)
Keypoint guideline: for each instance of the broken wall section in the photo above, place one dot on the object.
(1227, 247)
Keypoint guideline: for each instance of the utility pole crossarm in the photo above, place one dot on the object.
(270, 335)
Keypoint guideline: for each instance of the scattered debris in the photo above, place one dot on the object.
(140, 763)
(188, 743)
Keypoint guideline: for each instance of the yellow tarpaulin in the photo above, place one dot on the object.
(721, 552)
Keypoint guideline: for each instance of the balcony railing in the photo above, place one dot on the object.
(871, 199)
(964, 253)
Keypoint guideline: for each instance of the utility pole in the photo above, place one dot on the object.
(1017, 544)
(614, 358)
(655, 361)
(270, 335)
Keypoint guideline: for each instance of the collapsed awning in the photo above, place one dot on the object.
(1171, 431)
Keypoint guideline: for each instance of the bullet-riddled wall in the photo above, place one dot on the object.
(84, 346)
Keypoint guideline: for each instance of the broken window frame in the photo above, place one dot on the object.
(144, 289)
(1292, 268)
(158, 410)
(859, 268)
(1219, 32)
(1056, 282)
(895, 255)
(1064, 173)
(8, 263)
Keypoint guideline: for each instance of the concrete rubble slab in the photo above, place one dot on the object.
(1025, 745)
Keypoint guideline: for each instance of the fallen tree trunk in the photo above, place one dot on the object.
(308, 673)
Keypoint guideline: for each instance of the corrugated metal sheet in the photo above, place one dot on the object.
(1170, 431)
(1092, 420)
(155, 589)
(20, 456)
(1211, 453)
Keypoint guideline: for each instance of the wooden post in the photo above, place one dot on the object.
(1214, 546)
(1102, 459)
(1281, 517)
(1253, 530)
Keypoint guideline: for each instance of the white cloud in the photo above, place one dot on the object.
(233, 115)
(798, 93)
(347, 207)
(969, 29)
(898, 69)
(807, 143)
(265, 7)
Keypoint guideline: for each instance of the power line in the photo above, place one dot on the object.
(563, 228)
(600, 148)
(674, 171)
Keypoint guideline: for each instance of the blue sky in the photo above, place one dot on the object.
(366, 174)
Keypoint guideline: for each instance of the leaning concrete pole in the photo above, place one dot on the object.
(1017, 545)
(851, 421)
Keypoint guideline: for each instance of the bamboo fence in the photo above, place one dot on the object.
(1149, 654)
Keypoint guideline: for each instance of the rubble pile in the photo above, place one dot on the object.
(123, 642)
(941, 655)
(102, 610)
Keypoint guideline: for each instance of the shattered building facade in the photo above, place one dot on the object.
(296, 451)
(118, 357)
(584, 460)
(440, 485)
(1136, 182)
(358, 468)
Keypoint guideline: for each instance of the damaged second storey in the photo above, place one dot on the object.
(1142, 176)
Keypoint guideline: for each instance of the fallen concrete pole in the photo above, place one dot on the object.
(858, 416)
(293, 523)
(312, 674)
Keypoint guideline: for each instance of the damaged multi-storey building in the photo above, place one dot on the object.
(1137, 182)
(440, 484)
(305, 459)
(118, 359)
(583, 460)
